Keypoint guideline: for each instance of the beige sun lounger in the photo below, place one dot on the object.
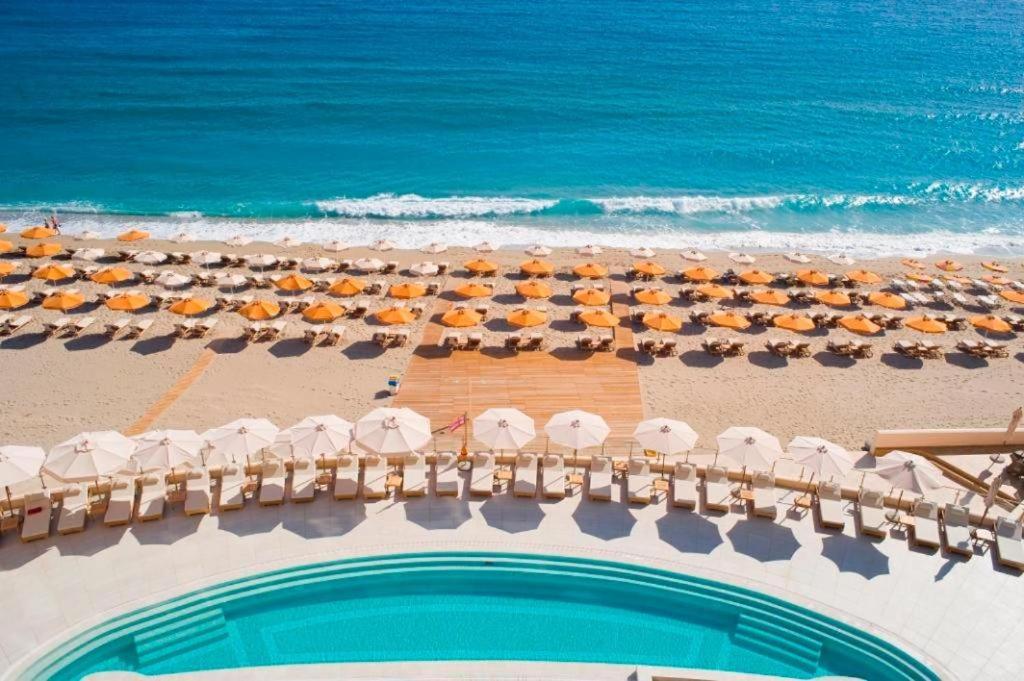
(303, 481)
(830, 505)
(36, 522)
(73, 509)
(346, 480)
(600, 479)
(481, 480)
(414, 475)
(152, 496)
(553, 472)
(272, 483)
(684, 485)
(375, 476)
(122, 502)
(926, 524)
(871, 508)
(446, 475)
(717, 495)
(232, 488)
(765, 501)
(1009, 543)
(197, 492)
(526, 475)
(956, 521)
(638, 481)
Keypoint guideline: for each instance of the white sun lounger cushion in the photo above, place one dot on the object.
(481, 481)
(638, 481)
(36, 524)
(526, 475)
(926, 523)
(375, 476)
(272, 483)
(414, 475)
(684, 485)
(554, 476)
(601, 479)
(74, 509)
(446, 475)
(717, 496)
(303, 480)
(956, 522)
(1009, 543)
(872, 512)
(346, 481)
(197, 492)
(122, 502)
(232, 488)
(830, 504)
(151, 498)
(763, 484)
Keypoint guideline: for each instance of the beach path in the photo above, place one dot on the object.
(172, 394)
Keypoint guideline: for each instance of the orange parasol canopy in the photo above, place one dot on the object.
(6, 246)
(526, 317)
(995, 266)
(6, 268)
(407, 290)
(991, 323)
(700, 274)
(38, 232)
(3, 228)
(864, 277)
(474, 290)
(918, 276)
(394, 315)
(591, 296)
(480, 266)
(860, 324)
(926, 324)
(949, 265)
(323, 311)
(347, 287)
(714, 291)
(995, 279)
(293, 282)
(461, 317)
(128, 302)
(662, 321)
(53, 272)
(190, 306)
(533, 289)
(43, 250)
(794, 322)
(63, 301)
(112, 275)
(652, 296)
(769, 297)
(729, 320)
(1013, 296)
(885, 299)
(590, 270)
(916, 264)
(260, 310)
(833, 298)
(649, 267)
(133, 235)
(10, 300)
(756, 277)
(536, 267)
(813, 277)
(602, 318)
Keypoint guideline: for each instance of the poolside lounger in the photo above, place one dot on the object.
(122, 503)
(1009, 543)
(151, 498)
(526, 475)
(553, 472)
(346, 480)
(36, 523)
(303, 481)
(926, 524)
(73, 509)
(684, 485)
(638, 481)
(765, 502)
(232, 488)
(600, 479)
(272, 483)
(717, 495)
(956, 523)
(446, 475)
(375, 476)
(871, 507)
(830, 505)
(414, 475)
(197, 492)
(482, 478)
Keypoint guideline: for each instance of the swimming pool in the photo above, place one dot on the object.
(471, 606)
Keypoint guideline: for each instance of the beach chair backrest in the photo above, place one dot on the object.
(552, 461)
(600, 464)
(871, 497)
(926, 509)
(685, 471)
(763, 479)
(639, 467)
(716, 474)
(1008, 529)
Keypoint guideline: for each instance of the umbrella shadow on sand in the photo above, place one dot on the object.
(763, 540)
(438, 513)
(511, 514)
(853, 555)
(689, 532)
(608, 520)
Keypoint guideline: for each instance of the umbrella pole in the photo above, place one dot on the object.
(10, 504)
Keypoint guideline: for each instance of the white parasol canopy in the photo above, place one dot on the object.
(261, 260)
(238, 240)
(821, 456)
(160, 450)
(89, 235)
(797, 257)
(89, 254)
(383, 245)
(88, 456)
(231, 281)
(287, 241)
(19, 463)
(694, 255)
(387, 430)
(183, 238)
(504, 428)
(590, 249)
(909, 472)
(537, 250)
(424, 269)
(315, 436)
(434, 247)
(318, 264)
(171, 279)
(239, 439)
(841, 259)
(665, 436)
(749, 447)
(335, 246)
(642, 252)
(742, 258)
(207, 258)
(577, 429)
(484, 247)
(151, 257)
(368, 264)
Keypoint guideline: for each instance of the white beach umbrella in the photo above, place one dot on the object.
(424, 269)
(335, 246)
(909, 472)
(388, 430)
(151, 257)
(160, 450)
(577, 429)
(206, 258)
(642, 252)
(89, 254)
(232, 281)
(368, 264)
(261, 260)
(88, 456)
(183, 238)
(504, 428)
(742, 258)
(435, 247)
(841, 259)
(88, 235)
(169, 279)
(383, 245)
(239, 439)
(19, 463)
(316, 436)
(484, 247)
(694, 255)
(749, 447)
(821, 456)
(287, 241)
(537, 250)
(590, 249)
(665, 436)
(797, 257)
(238, 240)
(318, 264)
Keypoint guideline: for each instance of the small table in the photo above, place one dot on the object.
(803, 501)
(661, 485)
(744, 494)
(502, 475)
(574, 479)
(324, 479)
(394, 482)
(620, 467)
(981, 534)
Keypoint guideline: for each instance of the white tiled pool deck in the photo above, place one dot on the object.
(964, 617)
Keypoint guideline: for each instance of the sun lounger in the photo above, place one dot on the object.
(204, 327)
(232, 488)
(272, 483)
(830, 505)
(553, 476)
(197, 492)
(926, 524)
(312, 335)
(446, 475)
(184, 329)
(375, 476)
(1009, 543)
(273, 331)
(15, 325)
(600, 479)
(684, 485)
(346, 479)
(473, 341)
(57, 327)
(482, 479)
(871, 508)
(36, 522)
(152, 496)
(956, 522)
(303, 481)
(717, 495)
(525, 484)
(334, 335)
(765, 502)
(137, 329)
(73, 509)
(121, 504)
(116, 327)
(414, 475)
(638, 481)
(535, 342)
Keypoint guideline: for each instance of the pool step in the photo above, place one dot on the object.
(774, 637)
(178, 635)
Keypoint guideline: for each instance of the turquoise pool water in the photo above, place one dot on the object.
(469, 606)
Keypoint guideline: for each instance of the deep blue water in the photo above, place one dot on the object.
(761, 120)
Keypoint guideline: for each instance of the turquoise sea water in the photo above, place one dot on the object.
(874, 124)
(471, 606)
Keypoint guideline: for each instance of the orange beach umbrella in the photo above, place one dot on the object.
(590, 270)
(347, 287)
(260, 310)
(602, 318)
(533, 289)
(474, 291)
(53, 272)
(918, 276)
(591, 296)
(38, 232)
(190, 306)
(758, 277)
(323, 311)
(6, 246)
(813, 277)
(649, 268)
(3, 228)
(995, 266)
(407, 290)
(652, 296)
(112, 275)
(293, 282)
(949, 265)
(769, 297)
(6, 268)
(10, 300)
(133, 235)
(860, 324)
(461, 317)
(700, 274)
(864, 277)
(1013, 296)
(729, 320)
(991, 323)
(536, 267)
(833, 298)
(926, 324)
(128, 302)
(526, 317)
(887, 300)
(480, 266)
(996, 279)
(714, 291)
(63, 301)
(911, 262)
(662, 321)
(43, 250)
(394, 315)
(794, 322)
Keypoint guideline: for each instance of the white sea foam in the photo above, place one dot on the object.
(415, 206)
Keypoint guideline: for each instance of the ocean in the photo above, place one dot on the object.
(870, 127)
